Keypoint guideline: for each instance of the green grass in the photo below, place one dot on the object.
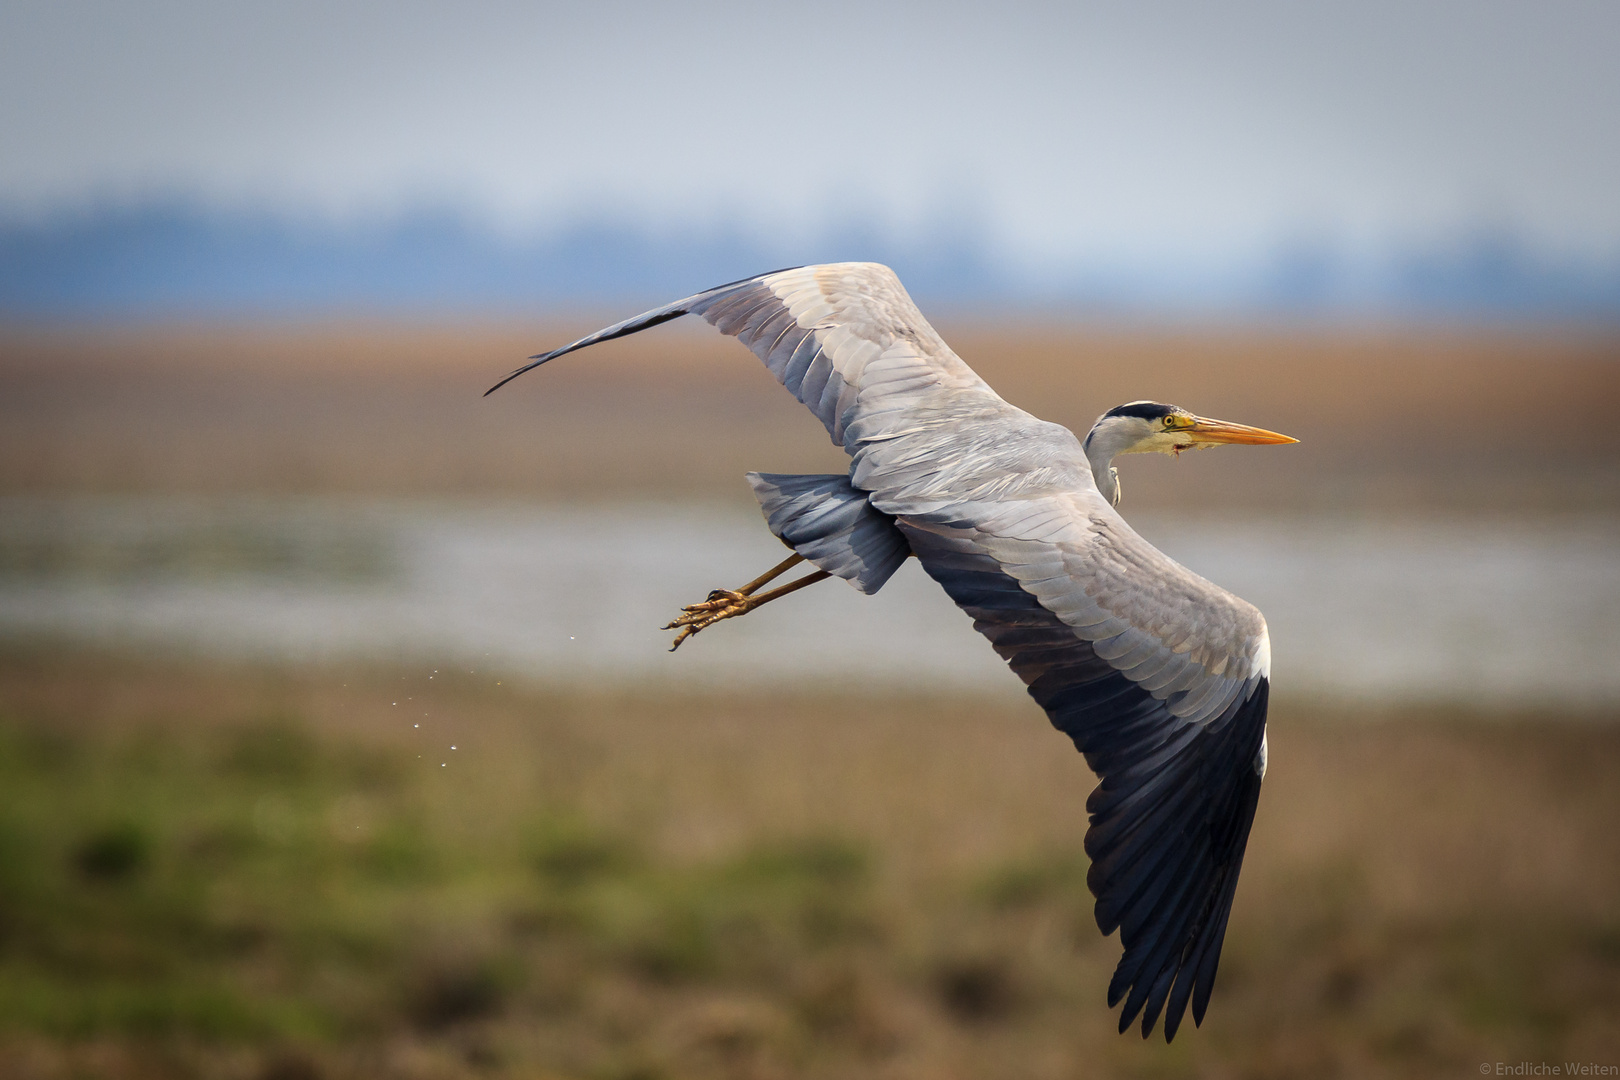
(251, 883)
(248, 883)
(225, 872)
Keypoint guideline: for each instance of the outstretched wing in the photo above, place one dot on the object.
(837, 336)
(1162, 681)
(1159, 677)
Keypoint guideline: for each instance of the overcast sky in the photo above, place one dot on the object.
(1180, 128)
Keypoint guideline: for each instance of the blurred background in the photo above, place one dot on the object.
(336, 734)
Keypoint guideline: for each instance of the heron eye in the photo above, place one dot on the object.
(1174, 421)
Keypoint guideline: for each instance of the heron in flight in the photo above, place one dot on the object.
(1160, 677)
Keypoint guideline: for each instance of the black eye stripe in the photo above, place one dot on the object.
(1143, 410)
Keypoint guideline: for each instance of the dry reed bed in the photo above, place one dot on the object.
(1390, 419)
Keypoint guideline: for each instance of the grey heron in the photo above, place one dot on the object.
(1160, 677)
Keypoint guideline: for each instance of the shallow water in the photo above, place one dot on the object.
(1482, 612)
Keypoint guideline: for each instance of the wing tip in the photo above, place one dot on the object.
(536, 361)
(644, 321)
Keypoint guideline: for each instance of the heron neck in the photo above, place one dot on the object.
(1101, 447)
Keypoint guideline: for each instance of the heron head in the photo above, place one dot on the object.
(1149, 427)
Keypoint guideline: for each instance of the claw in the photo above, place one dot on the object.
(721, 604)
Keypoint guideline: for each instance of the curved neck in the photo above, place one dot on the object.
(1101, 446)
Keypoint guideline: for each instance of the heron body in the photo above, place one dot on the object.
(1160, 677)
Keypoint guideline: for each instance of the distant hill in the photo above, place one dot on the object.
(174, 258)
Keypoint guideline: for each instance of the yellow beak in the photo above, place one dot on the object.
(1221, 431)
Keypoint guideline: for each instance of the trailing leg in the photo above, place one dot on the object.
(729, 603)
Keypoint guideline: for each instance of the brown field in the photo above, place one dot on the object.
(263, 874)
(1390, 420)
(246, 872)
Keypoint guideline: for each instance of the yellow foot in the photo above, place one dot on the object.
(721, 604)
